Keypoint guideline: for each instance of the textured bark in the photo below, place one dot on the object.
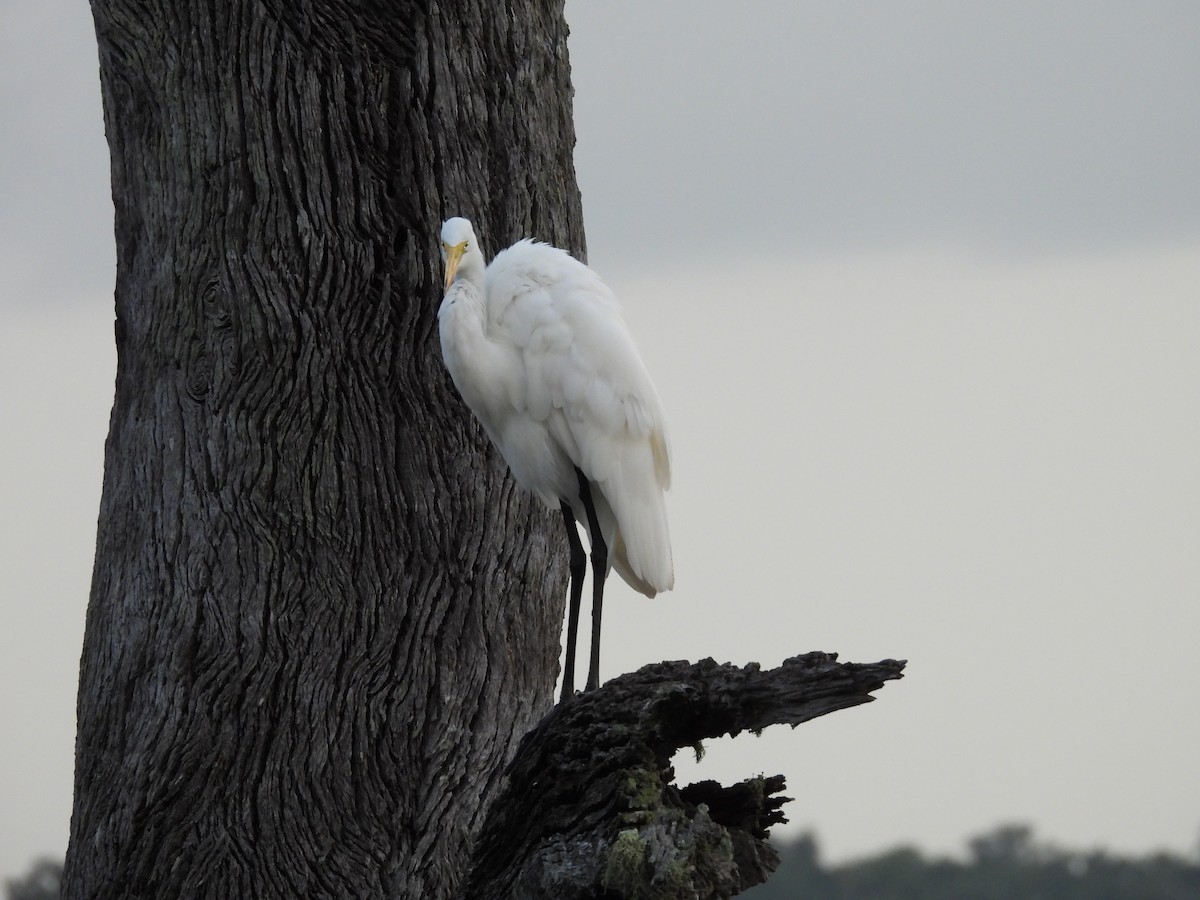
(321, 616)
(590, 809)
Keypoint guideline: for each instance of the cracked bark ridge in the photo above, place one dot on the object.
(590, 810)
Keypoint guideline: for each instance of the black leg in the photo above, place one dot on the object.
(578, 563)
(599, 570)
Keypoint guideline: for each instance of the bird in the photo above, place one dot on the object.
(537, 347)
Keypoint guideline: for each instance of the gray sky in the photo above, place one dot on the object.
(920, 286)
(813, 128)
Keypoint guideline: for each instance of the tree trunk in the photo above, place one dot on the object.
(321, 615)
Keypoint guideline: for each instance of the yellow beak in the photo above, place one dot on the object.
(453, 258)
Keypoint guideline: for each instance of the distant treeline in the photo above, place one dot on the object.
(1005, 864)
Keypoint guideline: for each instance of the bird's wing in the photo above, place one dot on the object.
(579, 357)
(585, 380)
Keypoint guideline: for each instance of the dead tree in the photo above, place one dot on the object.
(322, 616)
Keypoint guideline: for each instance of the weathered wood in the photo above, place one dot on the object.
(590, 810)
(321, 614)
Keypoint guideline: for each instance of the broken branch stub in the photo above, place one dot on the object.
(590, 809)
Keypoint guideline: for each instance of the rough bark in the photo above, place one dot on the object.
(321, 616)
(590, 809)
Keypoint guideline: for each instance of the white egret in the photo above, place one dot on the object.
(538, 349)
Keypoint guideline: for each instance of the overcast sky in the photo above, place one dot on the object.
(920, 286)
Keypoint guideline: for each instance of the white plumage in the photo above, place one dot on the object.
(538, 349)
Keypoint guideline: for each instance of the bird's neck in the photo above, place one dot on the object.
(472, 357)
(463, 313)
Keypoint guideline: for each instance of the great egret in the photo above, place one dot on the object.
(538, 349)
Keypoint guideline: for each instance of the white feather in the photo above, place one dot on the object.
(538, 348)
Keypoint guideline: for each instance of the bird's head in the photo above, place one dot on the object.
(460, 250)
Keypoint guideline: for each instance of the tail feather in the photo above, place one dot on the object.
(641, 549)
(662, 458)
(620, 562)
